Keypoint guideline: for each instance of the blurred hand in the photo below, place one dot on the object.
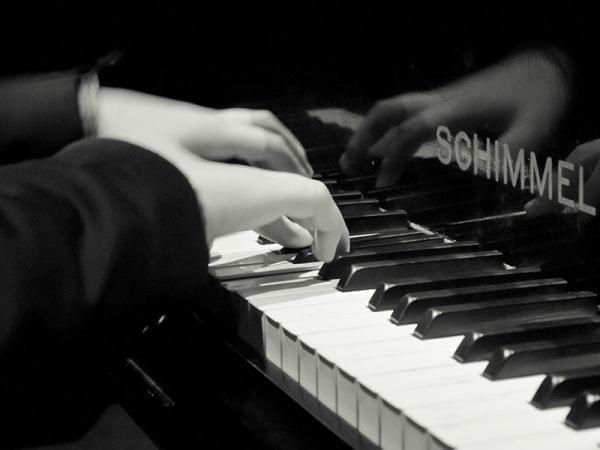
(587, 156)
(519, 101)
(255, 136)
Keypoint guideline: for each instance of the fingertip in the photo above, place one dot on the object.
(296, 237)
(343, 244)
(532, 208)
(322, 249)
(345, 163)
(539, 207)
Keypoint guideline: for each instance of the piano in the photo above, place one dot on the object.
(454, 323)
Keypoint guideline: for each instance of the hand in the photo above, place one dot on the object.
(519, 101)
(236, 198)
(587, 156)
(233, 197)
(255, 136)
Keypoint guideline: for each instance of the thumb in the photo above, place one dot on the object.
(287, 233)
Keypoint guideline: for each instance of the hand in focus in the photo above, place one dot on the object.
(292, 209)
(255, 136)
(520, 101)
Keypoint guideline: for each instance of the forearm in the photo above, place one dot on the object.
(92, 249)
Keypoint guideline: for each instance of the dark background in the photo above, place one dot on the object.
(294, 52)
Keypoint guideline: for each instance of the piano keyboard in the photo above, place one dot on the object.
(455, 322)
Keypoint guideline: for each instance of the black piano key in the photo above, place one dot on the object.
(346, 196)
(413, 187)
(480, 345)
(376, 221)
(488, 225)
(408, 232)
(541, 252)
(358, 207)
(436, 216)
(388, 293)
(385, 241)
(460, 319)
(305, 255)
(373, 273)
(436, 197)
(412, 307)
(585, 411)
(536, 357)
(358, 183)
(561, 388)
(341, 263)
(264, 241)
(335, 175)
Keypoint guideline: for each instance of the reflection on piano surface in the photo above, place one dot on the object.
(447, 280)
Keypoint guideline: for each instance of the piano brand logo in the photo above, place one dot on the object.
(553, 182)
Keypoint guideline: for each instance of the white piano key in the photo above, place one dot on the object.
(327, 339)
(369, 402)
(247, 258)
(348, 315)
(273, 282)
(395, 402)
(240, 242)
(495, 428)
(329, 303)
(257, 270)
(559, 439)
(421, 421)
(348, 372)
(274, 334)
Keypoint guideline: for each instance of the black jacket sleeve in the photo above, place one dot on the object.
(39, 115)
(91, 249)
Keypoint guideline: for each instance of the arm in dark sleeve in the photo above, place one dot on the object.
(91, 249)
(39, 115)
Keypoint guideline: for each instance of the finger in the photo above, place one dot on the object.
(287, 233)
(540, 206)
(278, 155)
(587, 156)
(390, 170)
(267, 120)
(331, 233)
(328, 243)
(317, 211)
(398, 146)
(260, 146)
(385, 114)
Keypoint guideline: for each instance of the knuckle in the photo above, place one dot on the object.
(319, 191)
(265, 114)
(384, 105)
(276, 144)
(418, 124)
